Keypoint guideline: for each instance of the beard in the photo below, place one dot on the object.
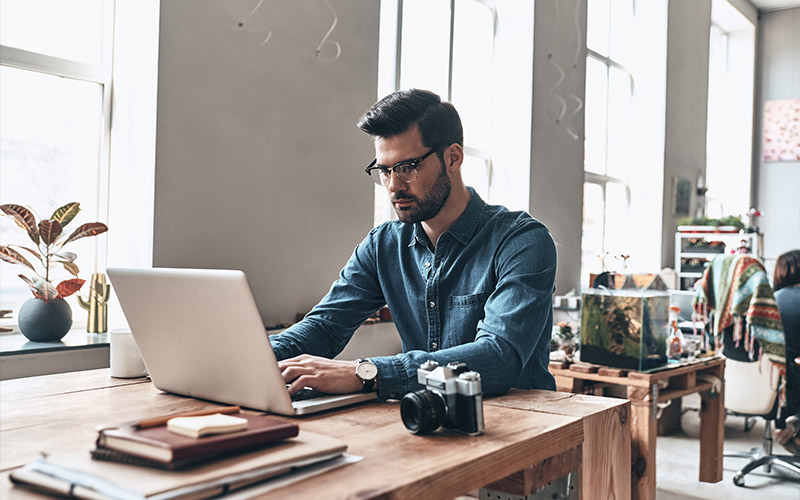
(430, 205)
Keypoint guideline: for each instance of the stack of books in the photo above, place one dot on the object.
(198, 459)
(159, 446)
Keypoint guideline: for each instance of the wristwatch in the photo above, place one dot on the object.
(367, 372)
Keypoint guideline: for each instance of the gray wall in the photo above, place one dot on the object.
(258, 159)
(556, 178)
(777, 184)
(686, 108)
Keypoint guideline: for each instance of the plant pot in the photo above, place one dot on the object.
(42, 321)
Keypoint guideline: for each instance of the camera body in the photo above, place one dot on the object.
(452, 398)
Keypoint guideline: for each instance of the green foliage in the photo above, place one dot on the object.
(730, 220)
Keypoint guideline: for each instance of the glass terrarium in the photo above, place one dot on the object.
(625, 328)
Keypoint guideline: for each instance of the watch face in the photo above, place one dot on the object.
(366, 370)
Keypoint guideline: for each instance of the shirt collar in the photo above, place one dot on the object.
(463, 228)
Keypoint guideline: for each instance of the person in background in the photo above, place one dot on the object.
(464, 281)
(786, 283)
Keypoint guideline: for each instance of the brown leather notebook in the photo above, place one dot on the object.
(175, 450)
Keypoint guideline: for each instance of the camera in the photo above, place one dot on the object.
(452, 399)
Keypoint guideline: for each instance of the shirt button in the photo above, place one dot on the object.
(427, 264)
(434, 345)
(431, 304)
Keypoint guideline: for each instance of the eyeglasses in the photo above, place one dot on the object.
(405, 170)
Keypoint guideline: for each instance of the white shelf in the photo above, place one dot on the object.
(732, 241)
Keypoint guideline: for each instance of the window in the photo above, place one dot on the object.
(623, 145)
(55, 69)
(729, 136)
(56, 140)
(452, 48)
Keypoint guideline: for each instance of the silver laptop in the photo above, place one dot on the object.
(201, 335)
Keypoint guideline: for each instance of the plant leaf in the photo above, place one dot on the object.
(46, 290)
(24, 219)
(31, 251)
(49, 231)
(88, 229)
(72, 268)
(10, 255)
(66, 256)
(68, 287)
(65, 214)
(31, 284)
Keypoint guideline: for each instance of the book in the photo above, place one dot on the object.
(174, 450)
(206, 425)
(73, 473)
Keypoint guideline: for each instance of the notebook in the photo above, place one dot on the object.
(201, 335)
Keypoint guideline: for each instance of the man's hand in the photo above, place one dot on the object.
(782, 436)
(327, 375)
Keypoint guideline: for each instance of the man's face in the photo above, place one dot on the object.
(423, 198)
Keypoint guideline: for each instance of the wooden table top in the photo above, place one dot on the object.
(61, 412)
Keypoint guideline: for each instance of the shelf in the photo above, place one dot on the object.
(690, 275)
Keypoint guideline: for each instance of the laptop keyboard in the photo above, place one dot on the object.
(308, 393)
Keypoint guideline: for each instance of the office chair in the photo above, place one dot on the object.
(754, 393)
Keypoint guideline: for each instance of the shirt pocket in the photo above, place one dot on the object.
(464, 312)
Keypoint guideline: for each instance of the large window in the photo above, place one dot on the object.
(625, 75)
(452, 48)
(57, 144)
(729, 135)
(55, 74)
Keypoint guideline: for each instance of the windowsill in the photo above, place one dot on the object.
(78, 350)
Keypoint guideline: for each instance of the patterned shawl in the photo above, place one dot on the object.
(736, 289)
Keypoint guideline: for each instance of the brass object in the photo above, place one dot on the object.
(99, 292)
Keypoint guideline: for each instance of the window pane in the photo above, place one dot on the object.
(472, 71)
(49, 142)
(475, 172)
(621, 32)
(597, 26)
(619, 123)
(617, 234)
(592, 239)
(596, 112)
(424, 60)
(71, 29)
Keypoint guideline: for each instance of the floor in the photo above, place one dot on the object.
(677, 457)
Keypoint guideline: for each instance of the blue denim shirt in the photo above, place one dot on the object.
(482, 296)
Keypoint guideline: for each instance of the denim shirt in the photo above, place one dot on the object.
(483, 296)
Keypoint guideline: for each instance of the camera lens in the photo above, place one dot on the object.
(422, 411)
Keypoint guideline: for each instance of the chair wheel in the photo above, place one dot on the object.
(738, 480)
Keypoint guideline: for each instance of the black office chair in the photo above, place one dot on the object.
(751, 390)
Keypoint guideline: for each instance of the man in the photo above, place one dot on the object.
(463, 280)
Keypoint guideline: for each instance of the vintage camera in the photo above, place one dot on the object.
(452, 398)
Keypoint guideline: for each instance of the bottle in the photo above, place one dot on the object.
(675, 337)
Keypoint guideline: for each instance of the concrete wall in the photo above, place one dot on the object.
(556, 177)
(686, 109)
(776, 184)
(259, 164)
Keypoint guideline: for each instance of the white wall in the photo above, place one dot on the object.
(777, 184)
(259, 164)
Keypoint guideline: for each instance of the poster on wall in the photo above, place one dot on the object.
(781, 130)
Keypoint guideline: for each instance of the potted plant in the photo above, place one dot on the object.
(47, 316)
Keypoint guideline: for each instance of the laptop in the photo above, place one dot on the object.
(201, 335)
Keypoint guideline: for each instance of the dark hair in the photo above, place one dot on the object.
(787, 270)
(438, 122)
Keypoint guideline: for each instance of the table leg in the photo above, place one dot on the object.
(712, 431)
(606, 455)
(643, 450)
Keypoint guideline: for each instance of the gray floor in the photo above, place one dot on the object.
(677, 457)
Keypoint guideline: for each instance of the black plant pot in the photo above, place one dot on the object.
(42, 321)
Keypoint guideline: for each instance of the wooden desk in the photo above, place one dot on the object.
(646, 391)
(60, 412)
